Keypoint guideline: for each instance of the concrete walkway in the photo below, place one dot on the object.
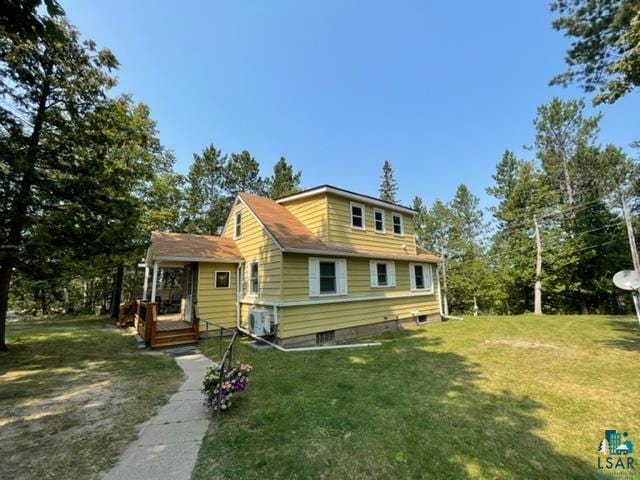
(168, 444)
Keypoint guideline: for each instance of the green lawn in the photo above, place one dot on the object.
(71, 394)
(487, 397)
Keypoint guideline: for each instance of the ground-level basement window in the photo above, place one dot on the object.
(223, 279)
(323, 338)
(421, 319)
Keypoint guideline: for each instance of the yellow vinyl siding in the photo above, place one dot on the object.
(255, 244)
(218, 305)
(306, 319)
(342, 234)
(296, 278)
(312, 213)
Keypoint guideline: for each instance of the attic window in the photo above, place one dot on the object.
(238, 226)
(357, 216)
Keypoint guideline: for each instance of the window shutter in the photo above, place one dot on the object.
(342, 276)
(391, 274)
(314, 277)
(373, 273)
(412, 276)
(428, 280)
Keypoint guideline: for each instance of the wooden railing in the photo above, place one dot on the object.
(145, 320)
(127, 313)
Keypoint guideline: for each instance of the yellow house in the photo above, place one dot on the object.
(315, 267)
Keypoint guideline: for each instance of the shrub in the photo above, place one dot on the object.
(234, 381)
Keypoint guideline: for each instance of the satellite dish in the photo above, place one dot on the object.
(627, 280)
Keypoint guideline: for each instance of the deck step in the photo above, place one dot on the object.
(171, 344)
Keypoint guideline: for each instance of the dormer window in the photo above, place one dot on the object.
(238, 226)
(398, 227)
(378, 220)
(357, 216)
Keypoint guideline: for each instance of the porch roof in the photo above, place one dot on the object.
(185, 247)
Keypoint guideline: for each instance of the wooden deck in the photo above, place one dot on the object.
(159, 330)
(167, 323)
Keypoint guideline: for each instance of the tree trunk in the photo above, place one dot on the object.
(5, 281)
(20, 205)
(567, 183)
(117, 291)
(537, 295)
(584, 309)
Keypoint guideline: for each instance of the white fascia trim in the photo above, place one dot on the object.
(195, 259)
(351, 196)
(376, 255)
(295, 303)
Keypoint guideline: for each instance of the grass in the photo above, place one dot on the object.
(72, 391)
(484, 398)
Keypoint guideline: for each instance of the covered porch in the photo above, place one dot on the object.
(168, 314)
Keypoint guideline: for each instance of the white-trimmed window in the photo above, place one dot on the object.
(398, 225)
(378, 220)
(237, 227)
(254, 284)
(420, 276)
(327, 276)
(357, 215)
(383, 274)
(222, 279)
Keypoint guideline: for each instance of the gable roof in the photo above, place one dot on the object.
(293, 236)
(284, 227)
(341, 192)
(184, 246)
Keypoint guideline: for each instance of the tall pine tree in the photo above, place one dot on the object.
(388, 184)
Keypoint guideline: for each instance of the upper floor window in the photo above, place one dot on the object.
(238, 225)
(398, 227)
(357, 216)
(420, 277)
(378, 220)
(253, 279)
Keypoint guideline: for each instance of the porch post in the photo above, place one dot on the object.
(155, 281)
(145, 288)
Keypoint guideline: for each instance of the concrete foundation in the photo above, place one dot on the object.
(343, 335)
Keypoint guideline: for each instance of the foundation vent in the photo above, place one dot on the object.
(324, 338)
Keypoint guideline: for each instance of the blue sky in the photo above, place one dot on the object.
(439, 89)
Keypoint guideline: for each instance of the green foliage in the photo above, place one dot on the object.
(76, 168)
(574, 195)
(242, 174)
(206, 200)
(604, 55)
(388, 185)
(284, 181)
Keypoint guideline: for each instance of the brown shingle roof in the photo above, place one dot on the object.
(285, 228)
(183, 245)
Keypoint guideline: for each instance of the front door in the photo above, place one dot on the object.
(188, 306)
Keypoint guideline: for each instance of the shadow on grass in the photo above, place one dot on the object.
(72, 392)
(628, 334)
(403, 410)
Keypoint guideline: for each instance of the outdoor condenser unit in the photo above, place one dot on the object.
(259, 322)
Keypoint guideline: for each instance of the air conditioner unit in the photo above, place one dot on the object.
(259, 322)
